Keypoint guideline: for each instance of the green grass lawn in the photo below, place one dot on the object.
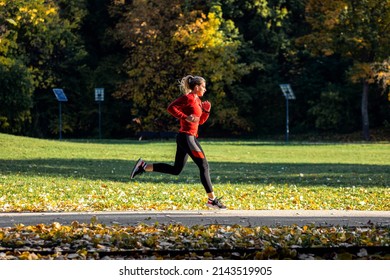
(81, 175)
(52, 175)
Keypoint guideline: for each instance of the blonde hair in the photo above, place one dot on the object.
(188, 83)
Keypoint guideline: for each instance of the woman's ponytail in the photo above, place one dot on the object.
(188, 83)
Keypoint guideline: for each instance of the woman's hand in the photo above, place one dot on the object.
(206, 106)
(192, 118)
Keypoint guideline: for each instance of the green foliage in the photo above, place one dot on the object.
(353, 29)
(34, 34)
(40, 36)
(328, 112)
(138, 50)
(263, 26)
(15, 95)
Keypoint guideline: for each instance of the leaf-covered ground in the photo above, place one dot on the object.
(174, 241)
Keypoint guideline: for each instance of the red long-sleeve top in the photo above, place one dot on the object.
(185, 105)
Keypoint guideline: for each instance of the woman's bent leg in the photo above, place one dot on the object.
(181, 158)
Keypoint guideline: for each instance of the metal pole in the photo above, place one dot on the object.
(287, 121)
(100, 121)
(60, 121)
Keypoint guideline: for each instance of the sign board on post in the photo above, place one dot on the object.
(287, 91)
(289, 95)
(61, 97)
(99, 97)
(99, 94)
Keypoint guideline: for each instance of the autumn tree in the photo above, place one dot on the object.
(16, 77)
(263, 26)
(358, 30)
(212, 48)
(38, 46)
(153, 63)
(167, 40)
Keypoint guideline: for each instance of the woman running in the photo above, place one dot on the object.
(191, 112)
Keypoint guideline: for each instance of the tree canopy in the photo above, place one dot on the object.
(358, 30)
(331, 52)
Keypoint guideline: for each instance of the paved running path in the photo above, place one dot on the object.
(204, 217)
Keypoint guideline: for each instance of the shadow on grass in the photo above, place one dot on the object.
(301, 174)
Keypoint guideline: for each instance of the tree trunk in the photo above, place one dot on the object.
(365, 122)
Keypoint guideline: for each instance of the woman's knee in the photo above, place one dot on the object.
(204, 166)
(177, 170)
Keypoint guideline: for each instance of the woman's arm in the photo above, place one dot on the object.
(206, 107)
(175, 108)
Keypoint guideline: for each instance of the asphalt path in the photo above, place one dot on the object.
(204, 217)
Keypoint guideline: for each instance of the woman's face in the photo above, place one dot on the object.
(200, 89)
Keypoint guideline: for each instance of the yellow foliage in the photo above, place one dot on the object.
(381, 73)
(362, 72)
(50, 11)
(202, 33)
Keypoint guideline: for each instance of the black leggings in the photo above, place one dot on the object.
(188, 145)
